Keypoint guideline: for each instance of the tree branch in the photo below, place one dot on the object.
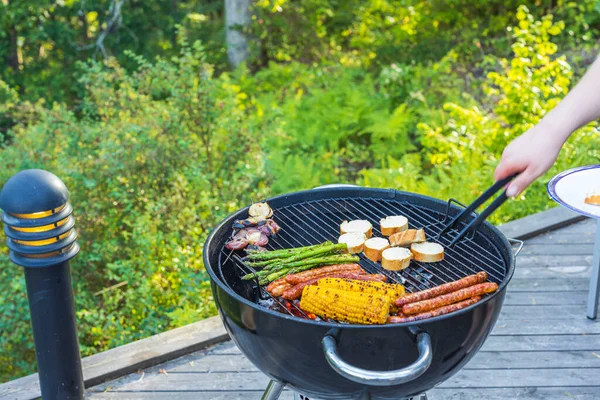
(114, 22)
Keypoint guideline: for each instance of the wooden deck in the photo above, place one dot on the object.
(543, 346)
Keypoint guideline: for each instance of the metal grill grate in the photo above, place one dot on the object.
(316, 221)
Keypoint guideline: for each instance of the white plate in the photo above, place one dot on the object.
(570, 188)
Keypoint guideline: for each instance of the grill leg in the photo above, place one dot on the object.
(273, 390)
(594, 294)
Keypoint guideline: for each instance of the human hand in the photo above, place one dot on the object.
(530, 155)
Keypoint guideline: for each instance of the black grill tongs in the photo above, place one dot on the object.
(473, 206)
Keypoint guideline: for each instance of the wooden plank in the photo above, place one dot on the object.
(523, 378)
(524, 393)
(225, 348)
(565, 271)
(557, 237)
(542, 343)
(27, 387)
(572, 248)
(586, 226)
(132, 357)
(558, 285)
(545, 298)
(553, 260)
(581, 325)
(187, 395)
(542, 313)
(541, 222)
(464, 379)
(233, 381)
(535, 359)
(531, 393)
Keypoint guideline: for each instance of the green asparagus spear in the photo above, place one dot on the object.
(300, 266)
(319, 250)
(283, 253)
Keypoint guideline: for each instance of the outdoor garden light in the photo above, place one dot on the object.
(42, 239)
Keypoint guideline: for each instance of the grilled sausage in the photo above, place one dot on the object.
(470, 280)
(450, 298)
(300, 277)
(434, 313)
(295, 292)
(279, 290)
(276, 288)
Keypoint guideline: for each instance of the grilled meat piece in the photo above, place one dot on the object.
(450, 298)
(300, 277)
(434, 313)
(470, 280)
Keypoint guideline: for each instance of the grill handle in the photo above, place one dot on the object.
(518, 242)
(379, 378)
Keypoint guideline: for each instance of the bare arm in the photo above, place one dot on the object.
(534, 152)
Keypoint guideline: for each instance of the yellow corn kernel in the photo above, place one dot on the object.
(390, 290)
(341, 305)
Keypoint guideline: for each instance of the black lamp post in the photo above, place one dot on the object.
(42, 239)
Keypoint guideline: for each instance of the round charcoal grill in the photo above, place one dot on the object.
(329, 360)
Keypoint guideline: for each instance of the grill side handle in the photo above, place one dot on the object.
(517, 242)
(379, 378)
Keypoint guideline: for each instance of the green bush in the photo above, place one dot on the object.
(154, 160)
(459, 155)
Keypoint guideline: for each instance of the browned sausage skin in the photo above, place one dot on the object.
(450, 298)
(276, 288)
(300, 277)
(470, 280)
(434, 313)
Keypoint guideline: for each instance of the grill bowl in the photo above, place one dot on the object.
(288, 348)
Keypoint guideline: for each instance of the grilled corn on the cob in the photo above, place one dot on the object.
(341, 305)
(389, 290)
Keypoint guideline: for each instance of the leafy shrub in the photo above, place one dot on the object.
(459, 155)
(155, 159)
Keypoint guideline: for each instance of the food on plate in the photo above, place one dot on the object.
(407, 237)
(593, 199)
(296, 291)
(374, 247)
(427, 252)
(255, 230)
(341, 305)
(357, 226)
(433, 313)
(449, 298)
(395, 258)
(390, 290)
(354, 240)
(393, 224)
(300, 277)
(470, 280)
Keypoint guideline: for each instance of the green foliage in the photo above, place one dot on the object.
(459, 155)
(42, 41)
(327, 127)
(156, 158)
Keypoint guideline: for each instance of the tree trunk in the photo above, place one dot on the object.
(237, 17)
(13, 52)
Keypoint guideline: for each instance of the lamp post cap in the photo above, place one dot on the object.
(32, 191)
